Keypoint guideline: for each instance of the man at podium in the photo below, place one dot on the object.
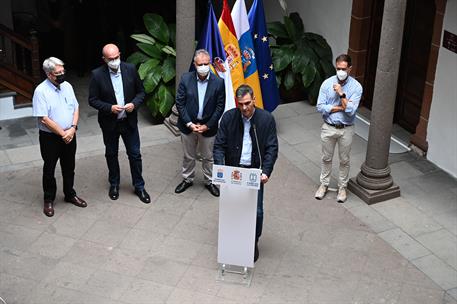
(247, 138)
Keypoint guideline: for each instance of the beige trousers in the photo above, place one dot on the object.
(330, 136)
(192, 144)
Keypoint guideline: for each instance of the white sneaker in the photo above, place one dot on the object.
(320, 193)
(342, 196)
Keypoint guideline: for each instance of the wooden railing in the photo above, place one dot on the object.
(19, 61)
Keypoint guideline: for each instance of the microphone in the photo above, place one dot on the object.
(257, 143)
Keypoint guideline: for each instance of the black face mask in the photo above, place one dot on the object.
(60, 78)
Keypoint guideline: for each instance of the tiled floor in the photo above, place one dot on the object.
(399, 251)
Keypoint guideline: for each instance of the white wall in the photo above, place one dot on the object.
(442, 126)
(329, 18)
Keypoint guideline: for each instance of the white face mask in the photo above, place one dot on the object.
(203, 69)
(342, 75)
(114, 64)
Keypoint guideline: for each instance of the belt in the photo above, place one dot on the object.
(338, 126)
(244, 166)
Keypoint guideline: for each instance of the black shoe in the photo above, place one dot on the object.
(143, 195)
(113, 192)
(212, 189)
(182, 186)
(256, 252)
(48, 208)
(77, 201)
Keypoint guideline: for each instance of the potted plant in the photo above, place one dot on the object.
(156, 64)
(302, 60)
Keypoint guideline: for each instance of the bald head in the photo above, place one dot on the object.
(110, 51)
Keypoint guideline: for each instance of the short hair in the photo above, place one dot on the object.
(243, 90)
(49, 64)
(345, 58)
(200, 52)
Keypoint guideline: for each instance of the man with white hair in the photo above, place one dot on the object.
(57, 110)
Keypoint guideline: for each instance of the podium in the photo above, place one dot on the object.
(237, 221)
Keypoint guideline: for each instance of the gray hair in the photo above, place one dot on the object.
(200, 52)
(243, 90)
(50, 63)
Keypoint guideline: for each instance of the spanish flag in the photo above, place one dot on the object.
(248, 56)
(231, 46)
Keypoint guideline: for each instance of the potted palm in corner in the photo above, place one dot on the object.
(302, 60)
(156, 62)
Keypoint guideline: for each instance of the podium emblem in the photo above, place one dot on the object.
(252, 177)
(236, 175)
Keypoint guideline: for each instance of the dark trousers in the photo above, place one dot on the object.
(131, 139)
(259, 222)
(53, 148)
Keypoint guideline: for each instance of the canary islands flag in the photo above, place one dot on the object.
(248, 56)
(210, 40)
(265, 69)
(232, 49)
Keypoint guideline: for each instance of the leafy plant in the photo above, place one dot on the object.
(300, 58)
(156, 63)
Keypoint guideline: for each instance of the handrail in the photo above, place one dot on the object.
(17, 38)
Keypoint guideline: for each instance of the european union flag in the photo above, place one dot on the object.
(267, 76)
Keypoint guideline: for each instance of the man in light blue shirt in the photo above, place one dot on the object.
(200, 100)
(338, 100)
(57, 110)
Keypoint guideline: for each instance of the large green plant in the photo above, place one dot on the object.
(157, 63)
(300, 59)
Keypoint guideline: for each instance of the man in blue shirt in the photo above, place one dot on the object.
(247, 138)
(200, 100)
(338, 100)
(117, 92)
(57, 110)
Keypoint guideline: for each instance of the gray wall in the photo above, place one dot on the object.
(442, 126)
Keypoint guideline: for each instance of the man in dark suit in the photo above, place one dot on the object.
(116, 91)
(200, 101)
(247, 138)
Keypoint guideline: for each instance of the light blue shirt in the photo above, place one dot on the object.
(201, 86)
(246, 151)
(328, 98)
(116, 80)
(58, 104)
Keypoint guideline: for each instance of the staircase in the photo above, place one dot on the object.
(19, 69)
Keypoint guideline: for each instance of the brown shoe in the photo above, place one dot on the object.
(77, 201)
(48, 208)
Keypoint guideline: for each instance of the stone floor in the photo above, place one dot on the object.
(400, 251)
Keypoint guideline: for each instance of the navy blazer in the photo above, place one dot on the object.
(102, 97)
(187, 103)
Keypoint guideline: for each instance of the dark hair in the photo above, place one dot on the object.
(345, 58)
(243, 90)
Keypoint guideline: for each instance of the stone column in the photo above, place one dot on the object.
(374, 183)
(185, 45)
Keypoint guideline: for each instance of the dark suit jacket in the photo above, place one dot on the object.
(229, 140)
(187, 103)
(102, 97)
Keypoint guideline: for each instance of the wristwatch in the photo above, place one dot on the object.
(74, 126)
(343, 95)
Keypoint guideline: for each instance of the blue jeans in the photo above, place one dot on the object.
(259, 222)
(131, 139)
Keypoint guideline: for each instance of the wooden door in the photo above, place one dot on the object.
(417, 39)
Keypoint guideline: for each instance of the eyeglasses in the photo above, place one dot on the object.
(58, 74)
